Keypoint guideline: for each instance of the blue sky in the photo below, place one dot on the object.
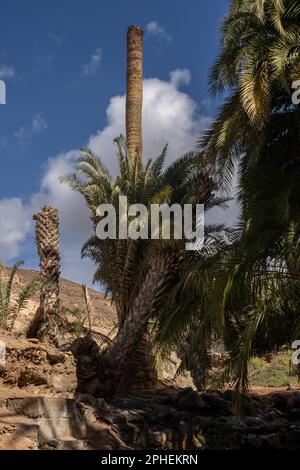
(63, 61)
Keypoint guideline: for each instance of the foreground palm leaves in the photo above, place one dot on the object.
(248, 295)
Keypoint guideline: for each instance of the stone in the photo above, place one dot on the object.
(132, 433)
(53, 443)
(101, 403)
(60, 428)
(134, 417)
(55, 357)
(293, 415)
(198, 441)
(293, 439)
(255, 421)
(71, 444)
(28, 430)
(36, 407)
(89, 416)
(271, 441)
(118, 419)
(62, 383)
(283, 401)
(216, 403)
(31, 376)
(157, 438)
(190, 401)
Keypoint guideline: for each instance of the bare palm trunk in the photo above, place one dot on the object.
(134, 91)
(128, 362)
(47, 240)
(141, 372)
(121, 366)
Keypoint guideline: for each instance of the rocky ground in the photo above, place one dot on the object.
(40, 409)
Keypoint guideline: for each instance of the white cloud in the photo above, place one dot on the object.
(158, 31)
(169, 116)
(180, 77)
(74, 217)
(37, 125)
(15, 222)
(56, 39)
(6, 72)
(91, 67)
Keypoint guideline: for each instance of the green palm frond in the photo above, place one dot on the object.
(6, 291)
(9, 312)
(26, 293)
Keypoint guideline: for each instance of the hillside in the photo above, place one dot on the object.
(71, 297)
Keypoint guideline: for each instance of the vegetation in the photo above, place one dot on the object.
(276, 372)
(241, 294)
(248, 295)
(138, 273)
(9, 307)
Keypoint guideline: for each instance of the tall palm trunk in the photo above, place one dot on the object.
(141, 363)
(140, 369)
(47, 240)
(112, 370)
(134, 91)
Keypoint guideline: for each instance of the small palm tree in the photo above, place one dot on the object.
(9, 310)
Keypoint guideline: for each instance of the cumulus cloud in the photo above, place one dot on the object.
(169, 116)
(37, 125)
(74, 217)
(91, 67)
(6, 72)
(75, 225)
(14, 226)
(180, 77)
(158, 31)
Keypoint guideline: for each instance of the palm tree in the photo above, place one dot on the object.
(247, 293)
(137, 273)
(258, 61)
(9, 310)
(257, 129)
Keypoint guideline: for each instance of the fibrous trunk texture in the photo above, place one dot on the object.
(141, 371)
(47, 240)
(196, 364)
(127, 363)
(134, 91)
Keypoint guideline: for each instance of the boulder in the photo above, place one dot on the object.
(190, 400)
